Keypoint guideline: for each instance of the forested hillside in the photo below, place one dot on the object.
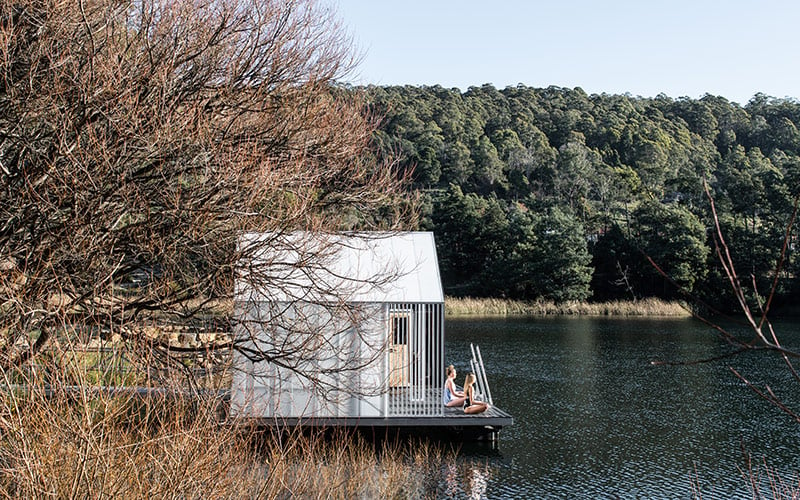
(552, 193)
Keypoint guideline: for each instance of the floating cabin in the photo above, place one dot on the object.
(348, 332)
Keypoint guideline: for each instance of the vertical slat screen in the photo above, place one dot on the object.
(420, 390)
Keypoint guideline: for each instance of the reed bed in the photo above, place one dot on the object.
(456, 306)
(89, 444)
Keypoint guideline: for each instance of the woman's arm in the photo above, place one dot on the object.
(452, 387)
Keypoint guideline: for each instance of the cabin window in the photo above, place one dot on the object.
(400, 326)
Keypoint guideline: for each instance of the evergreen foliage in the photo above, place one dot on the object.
(552, 193)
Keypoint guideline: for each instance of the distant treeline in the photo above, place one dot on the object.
(559, 195)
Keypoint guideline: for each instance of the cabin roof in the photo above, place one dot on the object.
(354, 267)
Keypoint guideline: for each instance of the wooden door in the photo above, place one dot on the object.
(399, 324)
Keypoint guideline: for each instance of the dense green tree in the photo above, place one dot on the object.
(470, 231)
(515, 273)
(573, 175)
(612, 161)
(616, 264)
(488, 175)
(675, 240)
(697, 115)
(561, 258)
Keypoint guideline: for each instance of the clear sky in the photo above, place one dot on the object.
(732, 48)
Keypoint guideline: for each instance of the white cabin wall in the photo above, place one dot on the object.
(253, 385)
(262, 389)
(373, 378)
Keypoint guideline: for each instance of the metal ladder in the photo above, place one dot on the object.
(476, 364)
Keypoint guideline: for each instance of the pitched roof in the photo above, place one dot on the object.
(351, 267)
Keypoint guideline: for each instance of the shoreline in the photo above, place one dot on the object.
(650, 307)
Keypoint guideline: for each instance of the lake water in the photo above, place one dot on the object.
(593, 418)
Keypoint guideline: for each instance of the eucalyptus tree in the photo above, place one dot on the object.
(546, 256)
(672, 239)
(574, 173)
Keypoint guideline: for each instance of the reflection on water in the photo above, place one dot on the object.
(452, 481)
(476, 483)
(594, 418)
(468, 480)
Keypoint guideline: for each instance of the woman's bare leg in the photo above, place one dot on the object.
(476, 408)
(456, 402)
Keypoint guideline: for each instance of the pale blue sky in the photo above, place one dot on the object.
(731, 48)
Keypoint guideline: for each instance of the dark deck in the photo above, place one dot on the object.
(454, 423)
(424, 416)
(494, 417)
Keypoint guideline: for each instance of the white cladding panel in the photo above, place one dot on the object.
(263, 389)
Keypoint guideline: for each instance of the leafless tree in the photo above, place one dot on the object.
(140, 139)
(763, 335)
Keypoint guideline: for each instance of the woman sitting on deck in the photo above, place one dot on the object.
(450, 396)
(473, 405)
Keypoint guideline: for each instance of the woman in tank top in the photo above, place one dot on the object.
(451, 397)
(472, 405)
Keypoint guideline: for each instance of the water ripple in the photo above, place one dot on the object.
(594, 419)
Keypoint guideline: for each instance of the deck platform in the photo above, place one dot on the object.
(453, 425)
(494, 417)
(450, 422)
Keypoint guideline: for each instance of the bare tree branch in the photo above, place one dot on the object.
(768, 395)
(763, 341)
(139, 140)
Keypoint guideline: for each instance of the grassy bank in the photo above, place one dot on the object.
(504, 307)
(86, 444)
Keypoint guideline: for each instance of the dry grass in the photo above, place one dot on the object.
(505, 307)
(84, 444)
